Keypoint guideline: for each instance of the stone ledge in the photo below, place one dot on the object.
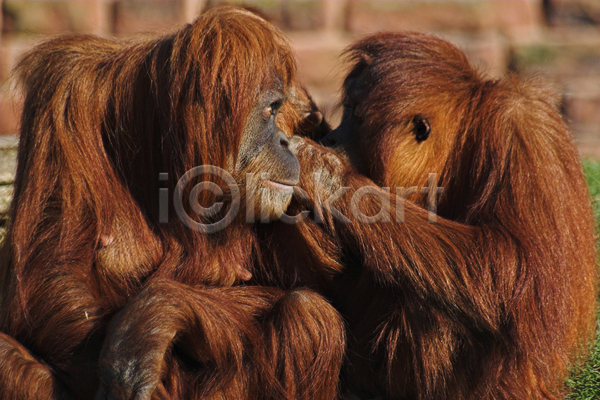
(8, 165)
(6, 193)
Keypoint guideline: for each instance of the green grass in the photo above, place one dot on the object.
(591, 168)
(585, 381)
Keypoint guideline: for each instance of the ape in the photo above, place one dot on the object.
(107, 128)
(497, 298)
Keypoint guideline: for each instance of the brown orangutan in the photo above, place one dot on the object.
(105, 291)
(492, 298)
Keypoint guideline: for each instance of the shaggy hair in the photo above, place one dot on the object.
(101, 120)
(497, 298)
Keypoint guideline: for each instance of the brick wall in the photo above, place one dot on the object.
(560, 38)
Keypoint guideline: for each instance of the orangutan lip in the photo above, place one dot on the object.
(286, 185)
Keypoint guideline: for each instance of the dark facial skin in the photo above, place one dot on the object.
(264, 151)
(346, 137)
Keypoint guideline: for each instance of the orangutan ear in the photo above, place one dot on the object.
(421, 127)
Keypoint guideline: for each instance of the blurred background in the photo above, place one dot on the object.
(558, 38)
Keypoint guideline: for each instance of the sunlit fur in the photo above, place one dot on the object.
(102, 118)
(509, 169)
(497, 299)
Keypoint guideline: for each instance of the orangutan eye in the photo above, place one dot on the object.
(353, 114)
(267, 112)
(272, 109)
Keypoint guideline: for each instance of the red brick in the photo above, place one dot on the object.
(303, 15)
(33, 17)
(372, 16)
(573, 12)
(6, 62)
(487, 52)
(516, 18)
(52, 17)
(271, 10)
(587, 139)
(297, 15)
(511, 17)
(334, 14)
(321, 68)
(11, 50)
(132, 17)
(582, 110)
(10, 113)
(192, 8)
(561, 59)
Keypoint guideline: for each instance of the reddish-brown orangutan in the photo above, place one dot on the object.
(496, 299)
(106, 289)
